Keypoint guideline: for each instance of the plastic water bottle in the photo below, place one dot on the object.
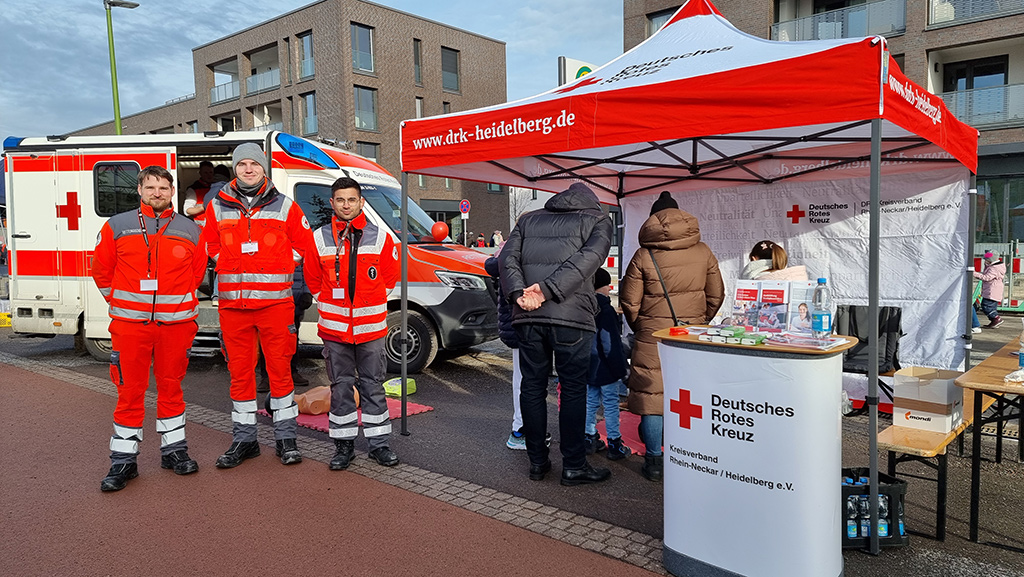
(821, 311)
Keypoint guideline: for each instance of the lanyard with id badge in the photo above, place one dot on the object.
(338, 293)
(149, 284)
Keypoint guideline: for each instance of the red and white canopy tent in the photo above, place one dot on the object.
(699, 106)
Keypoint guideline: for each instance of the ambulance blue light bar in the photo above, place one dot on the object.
(304, 150)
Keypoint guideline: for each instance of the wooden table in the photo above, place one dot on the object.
(986, 379)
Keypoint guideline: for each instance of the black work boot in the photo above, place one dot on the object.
(343, 456)
(384, 456)
(180, 462)
(118, 476)
(288, 451)
(584, 475)
(238, 452)
(652, 467)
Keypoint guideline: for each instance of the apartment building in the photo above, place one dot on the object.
(347, 72)
(969, 51)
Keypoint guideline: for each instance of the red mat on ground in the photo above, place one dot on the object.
(320, 422)
(628, 423)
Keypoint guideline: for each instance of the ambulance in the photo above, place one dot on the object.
(61, 189)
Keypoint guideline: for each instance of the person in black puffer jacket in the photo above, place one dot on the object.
(547, 273)
(516, 439)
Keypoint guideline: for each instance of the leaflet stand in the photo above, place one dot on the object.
(753, 450)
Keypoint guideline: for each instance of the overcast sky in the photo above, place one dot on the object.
(55, 70)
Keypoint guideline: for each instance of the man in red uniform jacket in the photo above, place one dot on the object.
(357, 266)
(256, 235)
(147, 264)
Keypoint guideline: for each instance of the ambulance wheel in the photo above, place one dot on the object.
(100, 349)
(422, 342)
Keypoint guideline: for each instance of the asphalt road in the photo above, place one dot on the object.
(464, 437)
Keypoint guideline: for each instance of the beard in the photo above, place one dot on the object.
(158, 204)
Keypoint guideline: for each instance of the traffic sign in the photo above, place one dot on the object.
(464, 206)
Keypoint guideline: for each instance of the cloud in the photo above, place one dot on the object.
(55, 76)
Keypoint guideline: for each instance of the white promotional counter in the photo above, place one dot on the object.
(753, 449)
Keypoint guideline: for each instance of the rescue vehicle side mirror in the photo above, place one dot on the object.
(439, 231)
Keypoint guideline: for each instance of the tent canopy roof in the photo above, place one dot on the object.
(698, 103)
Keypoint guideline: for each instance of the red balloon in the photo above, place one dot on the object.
(440, 231)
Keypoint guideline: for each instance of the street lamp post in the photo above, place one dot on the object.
(113, 65)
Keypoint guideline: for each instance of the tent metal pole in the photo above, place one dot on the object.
(972, 203)
(874, 234)
(404, 335)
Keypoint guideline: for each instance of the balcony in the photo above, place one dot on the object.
(309, 125)
(995, 107)
(263, 81)
(874, 18)
(224, 92)
(958, 11)
(271, 126)
(305, 68)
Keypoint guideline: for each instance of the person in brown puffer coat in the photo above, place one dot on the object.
(694, 284)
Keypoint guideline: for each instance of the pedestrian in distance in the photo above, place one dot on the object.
(148, 264)
(256, 235)
(607, 368)
(991, 279)
(357, 266)
(548, 266)
(672, 278)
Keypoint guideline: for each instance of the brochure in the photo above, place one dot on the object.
(745, 305)
(800, 295)
(804, 342)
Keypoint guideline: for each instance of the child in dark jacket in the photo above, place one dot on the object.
(607, 368)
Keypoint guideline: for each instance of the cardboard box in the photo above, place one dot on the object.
(927, 399)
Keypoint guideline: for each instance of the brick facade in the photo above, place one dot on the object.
(481, 79)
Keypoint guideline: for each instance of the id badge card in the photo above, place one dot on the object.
(147, 285)
(250, 247)
(338, 294)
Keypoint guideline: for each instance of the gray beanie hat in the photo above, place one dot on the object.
(250, 151)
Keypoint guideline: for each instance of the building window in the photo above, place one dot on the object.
(421, 181)
(448, 183)
(975, 90)
(419, 107)
(305, 55)
(491, 187)
(369, 150)
(117, 187)
(446, 107)
(417, 61)
(450, 69)
(534, 195)
(655, 20)
(366, 108)
(192, 126)
(309, 122)
(362, 48)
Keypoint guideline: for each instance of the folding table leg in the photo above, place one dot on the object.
(892, 463)
(976, 465)
(999, 429)
(940, 504)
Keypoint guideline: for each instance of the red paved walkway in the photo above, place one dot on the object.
(260, 519)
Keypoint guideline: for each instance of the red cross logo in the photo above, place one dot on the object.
(796, 214)
(685, 409)
(71, 211)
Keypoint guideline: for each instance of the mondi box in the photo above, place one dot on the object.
(927, 399)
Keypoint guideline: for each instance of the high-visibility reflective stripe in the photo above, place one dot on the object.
(176, 316)
(370, 328)
(243, 418)
(130, 314)
(332, 309)
(128, 432)
(375, 419)
(105, 292)
(286, 413)
(124, 446)
(296, 256)
(346, 433)
(282, 402)
(333, 325)
(343, 419)
(245, 277)
(170, 423)
(264, 214)
(171, 437)
(149, 297)
(244, 406)
(377, 431)
(367, 311)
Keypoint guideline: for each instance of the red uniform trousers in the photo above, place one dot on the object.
(136, 348)
(273, 326)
